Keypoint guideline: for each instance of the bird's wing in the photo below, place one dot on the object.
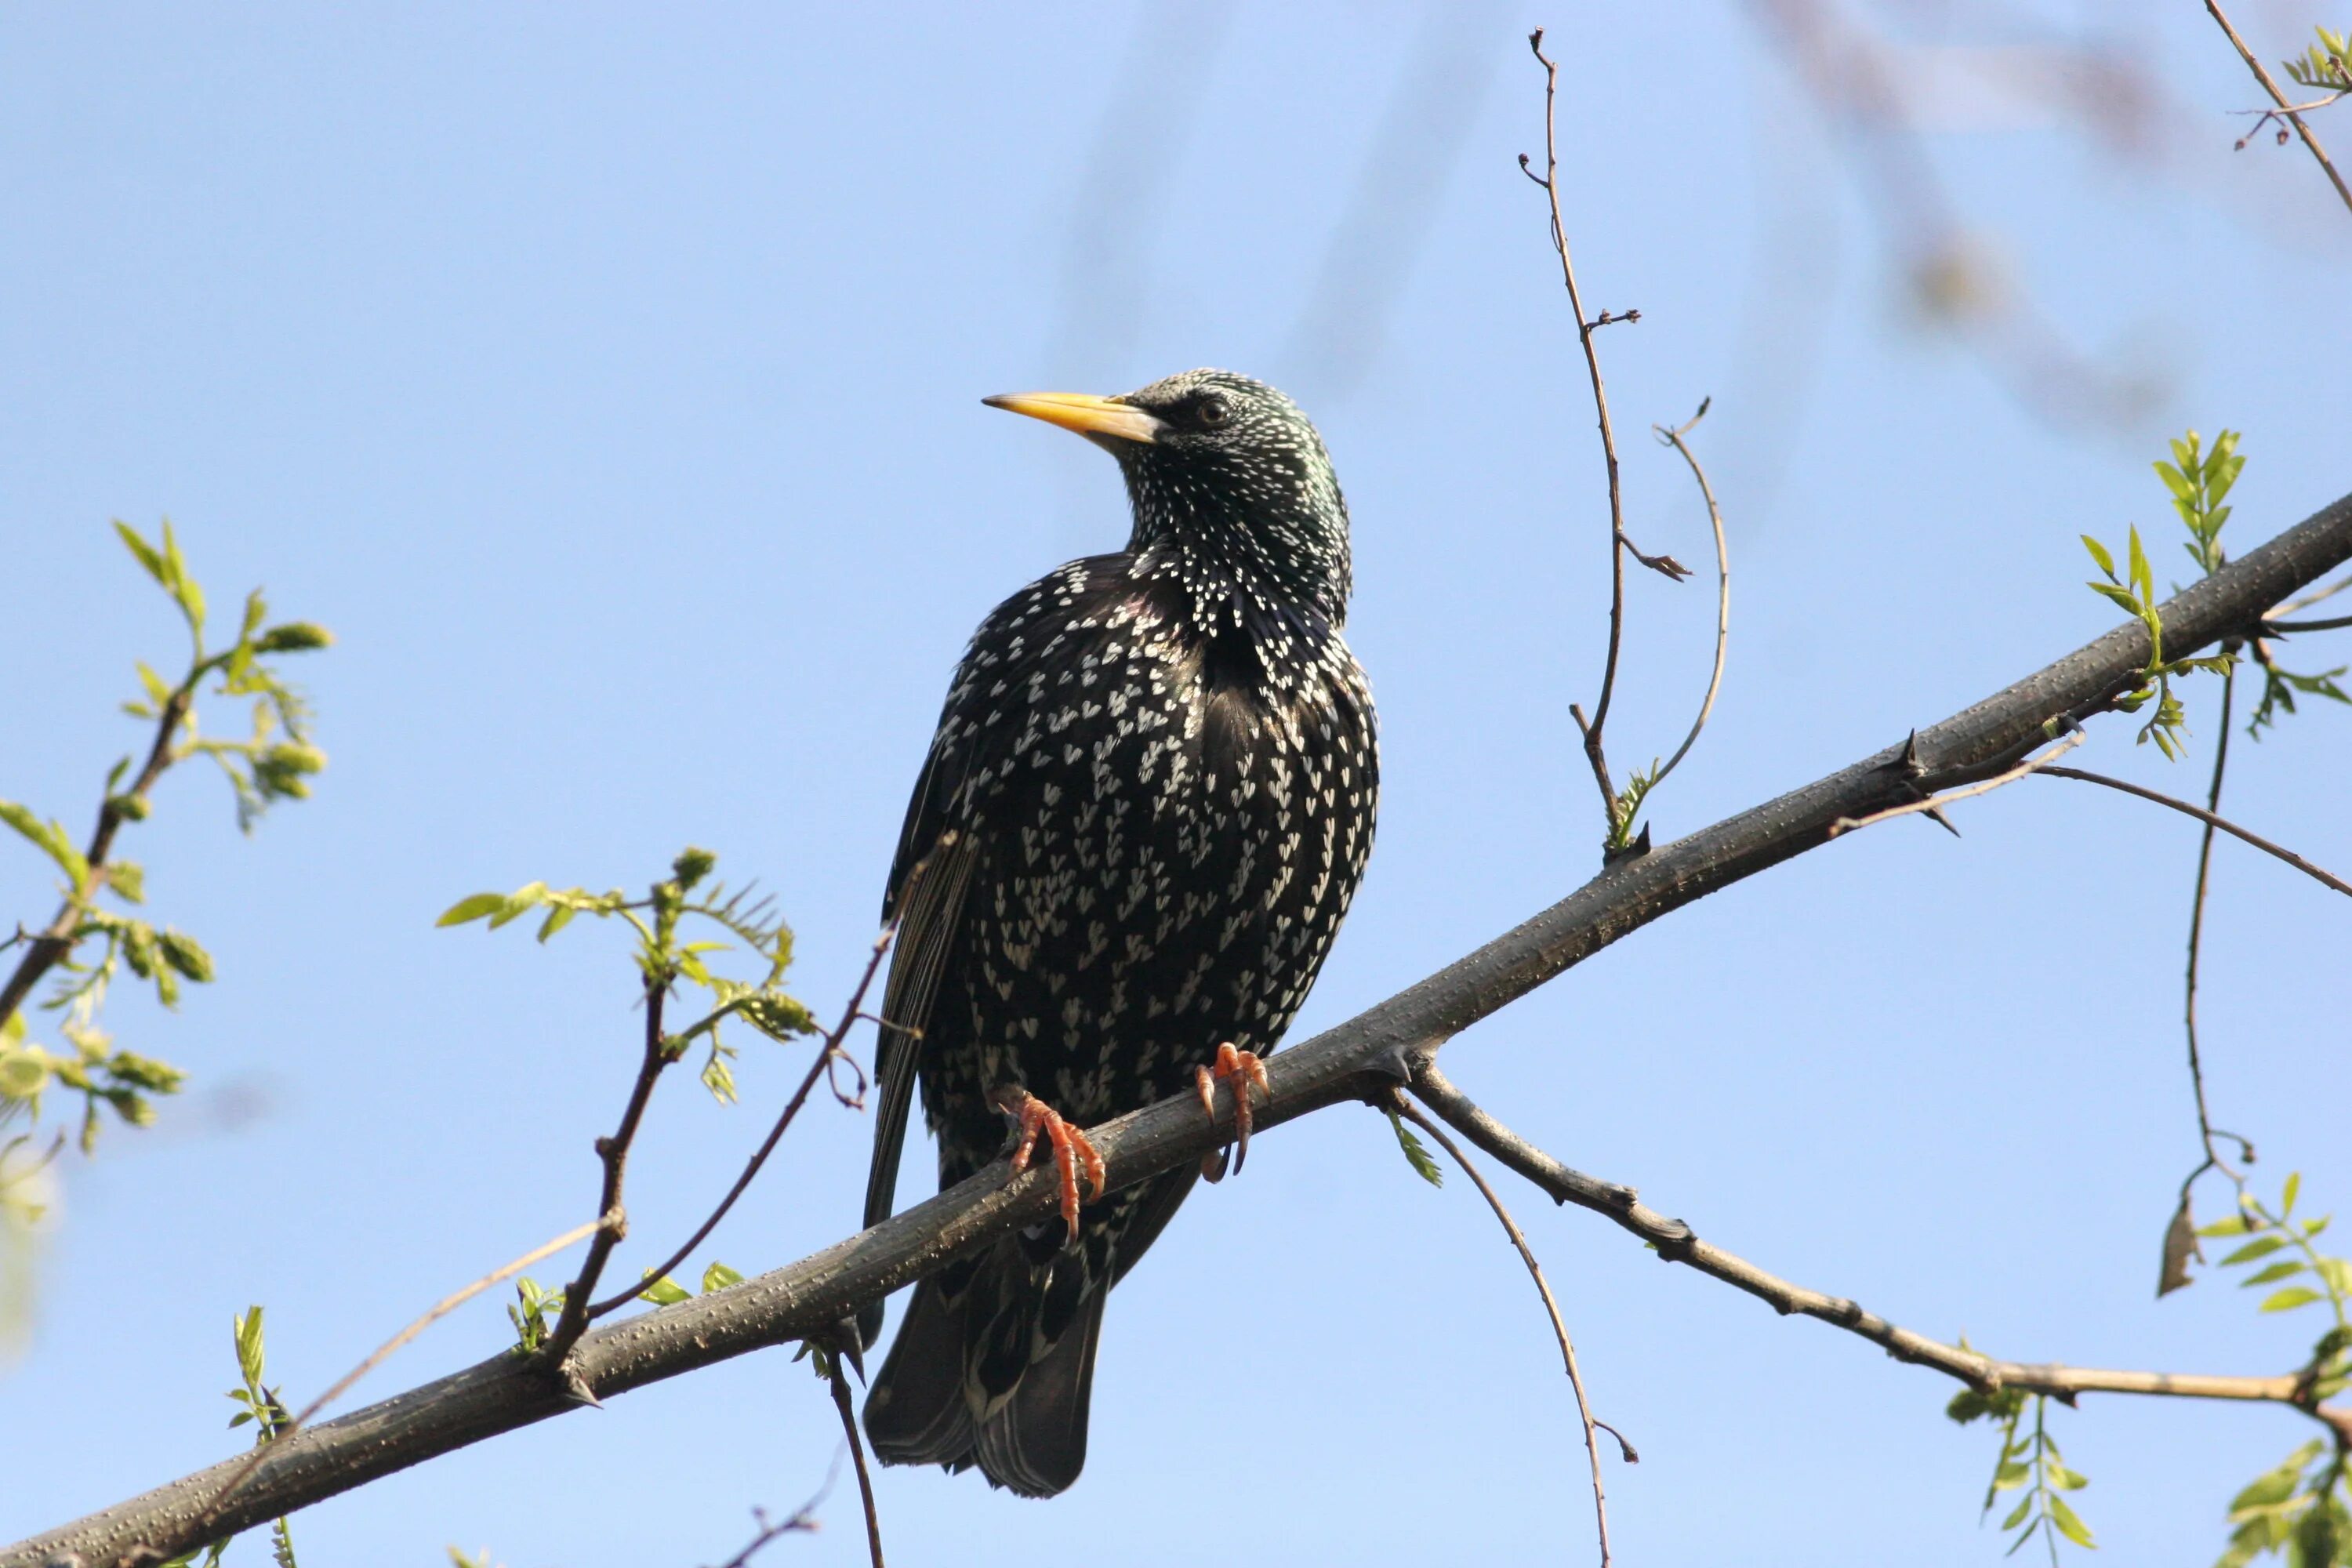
(926, 898)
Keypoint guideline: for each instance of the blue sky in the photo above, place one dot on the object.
(609, 384)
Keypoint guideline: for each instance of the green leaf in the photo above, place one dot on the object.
(190, 597)
(129, 879)
(2285, 1268)
(2017, 1515)
(2099, 553)
(2068, 1479)
(50, 838)
(717, 1277)
(147, 554)
(183, 952)
(2261, 1246)
(2069, 1525)
(294, 636)
(557, 919)
(472, 909)
(519, 902)
(2288, 1299)
(23, 1074)
(665, 1292)
(246, 1326)
(2287, 1194)
(157, 692)
(2274, 1486)
(2124, 598)
(2235, 1224)
(2142, 579)
(1415, 1153)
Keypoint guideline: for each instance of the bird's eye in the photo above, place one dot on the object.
(1213, 411)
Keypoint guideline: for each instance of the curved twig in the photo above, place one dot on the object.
(1673, 438)
(2210, 820)
(383, 1353)
(1413, 1113)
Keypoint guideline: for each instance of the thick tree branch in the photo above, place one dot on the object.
(1359, 1059)
(1677, 1243)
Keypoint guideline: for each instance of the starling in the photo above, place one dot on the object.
(1147, 805)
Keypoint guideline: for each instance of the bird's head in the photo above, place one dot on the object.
(1227, 478)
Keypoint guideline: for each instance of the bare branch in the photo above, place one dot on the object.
(1413, 1113)
(826, 1056)
(2205, 1132)
(1618, 542)
(2334, 624)
(2292, 114)
(613, 1223)
(384, 1352)
(841, 1403)
(1673, 438)
(1677, 1243)
(1362, 1057)
(2210, 820)
(2305, 601)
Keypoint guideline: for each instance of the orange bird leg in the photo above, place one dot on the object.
(1071, 1148)
(1247, 1071)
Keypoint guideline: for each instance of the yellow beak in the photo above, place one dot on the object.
(1089, 415)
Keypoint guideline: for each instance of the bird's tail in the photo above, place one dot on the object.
(995, 1366)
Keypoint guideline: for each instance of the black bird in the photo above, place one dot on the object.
(1146, 807)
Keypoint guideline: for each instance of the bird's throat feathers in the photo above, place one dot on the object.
(1245, 549)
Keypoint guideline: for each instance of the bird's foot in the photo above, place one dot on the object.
(1246, 1070)
(1072, 1150)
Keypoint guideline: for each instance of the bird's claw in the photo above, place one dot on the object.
(1247, 1071)
(1071, 1148)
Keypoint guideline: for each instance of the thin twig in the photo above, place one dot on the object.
(384, 1352)
(2305, 601)
(841, 1402)
(2205, 1130)
(2210, 820)
(1676, 1243)
(614, 1225)
(1931, 803)
(802, 1521)
(2292, 116)
(2334, 625)
(1413, 1113)
(1673, 438)
(1585, 328)
(826, 1054)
